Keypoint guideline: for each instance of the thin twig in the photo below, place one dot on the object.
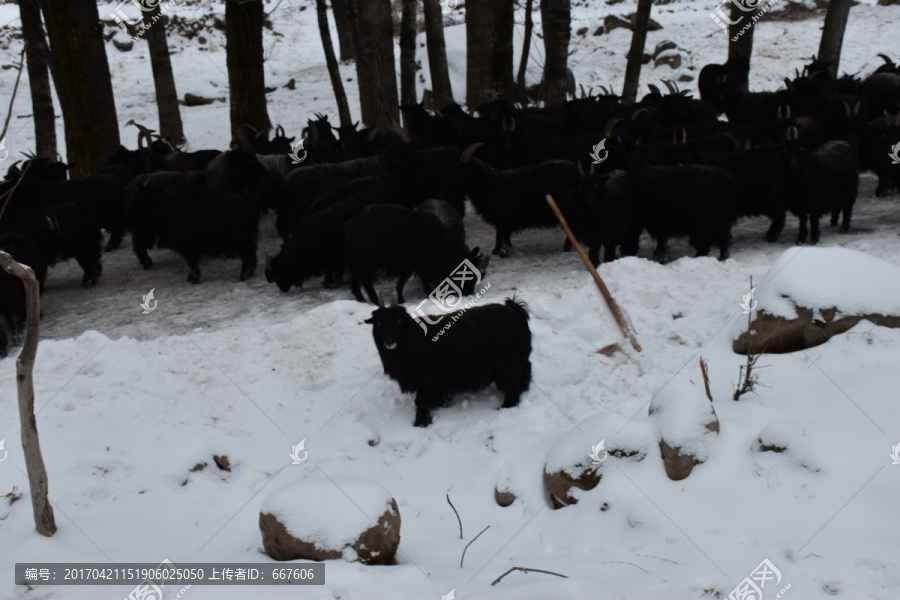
(457, 515)
(660, 558)
(705, 371)
(527, 570)
(13, 99)
(622, 562)
(461, 558)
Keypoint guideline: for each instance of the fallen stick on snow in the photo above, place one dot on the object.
(527, 570)
(617, 313)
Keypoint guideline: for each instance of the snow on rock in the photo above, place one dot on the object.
(687, 425)
(780, 438)
(323, 519)
(812, 294)
(576, 459)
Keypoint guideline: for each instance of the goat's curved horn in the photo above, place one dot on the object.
(395, 298)
(279, 131)
(401, 133)
(243, 142)
(668, 85)
(467, 154)
(581, 87)
(141, 138)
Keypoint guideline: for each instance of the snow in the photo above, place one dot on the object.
(807, 277)
(127, 404)
(328, 514)
(681, 412)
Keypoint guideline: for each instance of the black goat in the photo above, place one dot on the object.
(400, 241)
(515, 199)
(820, 181)
(208, 212)
(693, 200)
(718, 82)
(613, 220)
(12, 292)
(316, 245)
(463, 352)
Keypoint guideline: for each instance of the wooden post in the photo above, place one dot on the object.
(617, 313)
(34, 462)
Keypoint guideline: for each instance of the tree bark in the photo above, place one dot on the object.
(81, 74)
(740, 47)
(636, 52)
(37, 54)
(246, 77)
(34, 461)
(437, 54)
(408, 53)
(833, 33)
(489, 28)
(526, 50)
(557, 19)
(341, 22)
(170, 125)
(333, 70)
(378, 89)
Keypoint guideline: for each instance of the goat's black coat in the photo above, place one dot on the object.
(399, 241)
(483, 345)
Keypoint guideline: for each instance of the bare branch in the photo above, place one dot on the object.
(457, 515)
(705, 371)
(461, 558)
(13, 99)
(527, 570)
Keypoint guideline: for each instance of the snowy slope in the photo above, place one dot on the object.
(128, 403)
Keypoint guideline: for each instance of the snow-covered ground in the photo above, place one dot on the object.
(128, 403)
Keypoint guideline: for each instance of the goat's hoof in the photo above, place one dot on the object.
(422, 421)
(194, 278)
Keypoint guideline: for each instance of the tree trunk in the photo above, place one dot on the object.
(437, 55)
(166, 96)
(408, 53)
(81, 75)
(378, 90)
(636, 52)
(34, 461)
(341, 22)
(333, 70)
(557, 19)
(833, 33)
(526, 49)
(246, 78)
(742, 46)
(37, 53)
(489, 28)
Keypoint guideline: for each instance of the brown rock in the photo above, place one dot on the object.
(123, 45)
(195, 100)
(560, 483)
(504, 498)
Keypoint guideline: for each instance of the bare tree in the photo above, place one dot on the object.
(526, 50)
(34, 460)
(437, 54)
(166, 95)
(408, 53)
(557, 19)
(742, 45)
(342, 23)
(489, 27)
(376, 72)
(833, 33)
(81, 74)
(37, 53)
(636, 52)
(246, 78)
(333, 69)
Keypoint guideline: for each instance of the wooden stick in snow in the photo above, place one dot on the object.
(617, 313)
(34, 462)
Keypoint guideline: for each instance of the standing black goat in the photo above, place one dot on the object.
(475, 348)
(515, 199)
(400, 241)
(205, 212)
(820, 181)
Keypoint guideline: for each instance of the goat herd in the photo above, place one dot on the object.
(390, 201)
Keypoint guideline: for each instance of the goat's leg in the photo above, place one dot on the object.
(814, 227)
(401, 282)
(192, 257)
(776, 227)
(847, 215)
(115, 239)
(248, 262)
(370, 289)
(513, 389)
(354, 286)
(140, 246)
(835, 215)
(661, 254)
(498, 241)
(802, 232)
(425, 400)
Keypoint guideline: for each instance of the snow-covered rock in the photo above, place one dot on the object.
(812, 294)
(687, 425)
(321, 519)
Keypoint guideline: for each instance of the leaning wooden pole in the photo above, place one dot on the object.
(34, 462)
(617, 313)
